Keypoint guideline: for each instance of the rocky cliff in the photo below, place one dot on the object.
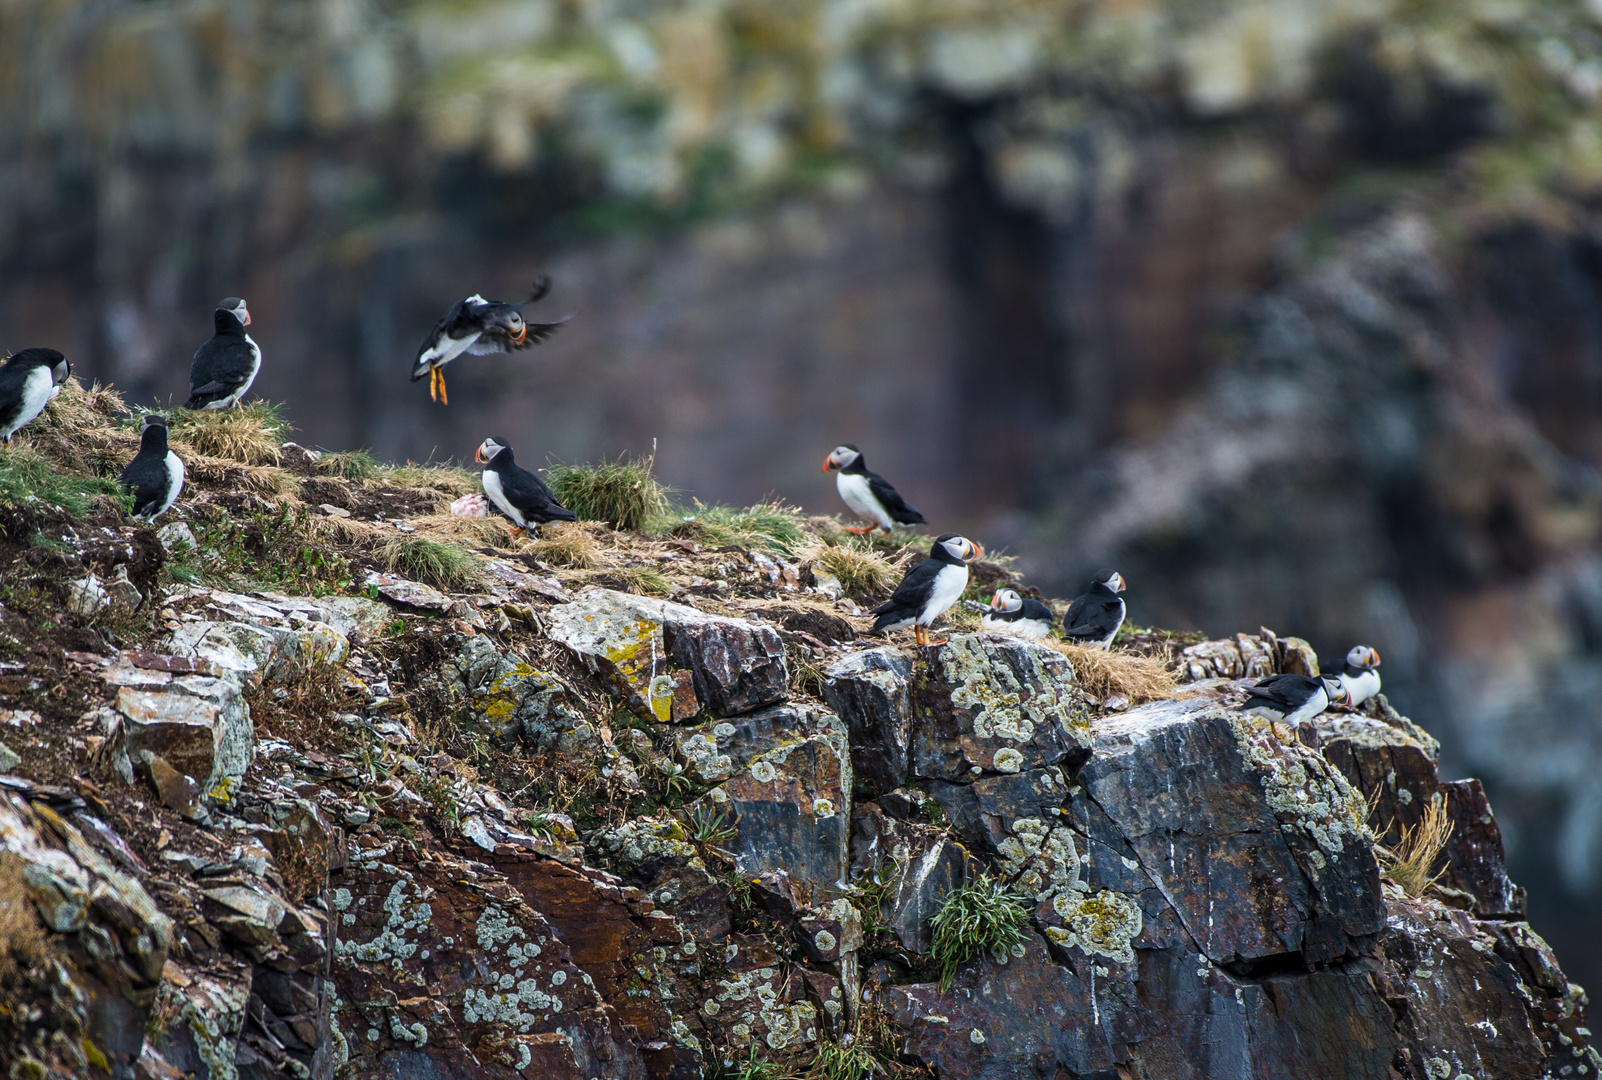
(320, 780)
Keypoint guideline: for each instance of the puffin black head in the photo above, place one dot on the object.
(955, 548)
(231, 315)
(153, 431)
(1006, 600)
(490, 449)
(60, 367)
(842, 458)
(510, 319)
(1111, 580)
(1336, 690)
(1361, 656)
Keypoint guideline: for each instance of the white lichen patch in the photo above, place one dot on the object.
(1041, 860)
(1008, 760)
(1104, 925)
(1004, 704)
(404, 917)
(1302, 789)
(702, 760)
(763, 772)
(649, 839)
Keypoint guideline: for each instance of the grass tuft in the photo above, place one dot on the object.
(23, 942)
(835, 1061)
(770, 526)
(644, 580)
(349, 464)
(978, 918)
(622, 493)
(25, 473)
(567, 544)
(252, 435)
(1103, 673)
(1410, 862)
(440, 563)
(864, 573)
(449, 479)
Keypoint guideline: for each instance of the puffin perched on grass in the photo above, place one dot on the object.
(28, 381)
(1012, 614)
(479, 327)
(1094, 618)
(868, 494)
(929, 588)
(1357, 674)
(225, 366)
(156, 474)
(516, 492)
(1294, 698)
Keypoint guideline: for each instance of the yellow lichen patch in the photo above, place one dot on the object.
(1105, 924)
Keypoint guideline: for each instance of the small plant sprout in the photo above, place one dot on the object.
(978, 918)
(710, 827)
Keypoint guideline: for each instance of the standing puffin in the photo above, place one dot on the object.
(479, 327)
(929, 588)
(1094, 618)
(1014, 615)
(225, 366)
(1294, 698)
(868, 494)
(516, 492)
(155, 475)
(1357, 674)
(28, 382)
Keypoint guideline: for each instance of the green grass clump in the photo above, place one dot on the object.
(978, 918)
(864, 573)
(437, 562)
(25, 472)
(645, 580)
(836, 1062)
(769, 526)
(350, 464)
(622, 493)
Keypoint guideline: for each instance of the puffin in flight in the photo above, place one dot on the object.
(1357, 673)
(929, 588)
(225, 366)
(1294, 698)
(28, 382)
(1012, 614)
(156, 474)
(868, 494)
(516, 492)
(1094, 618)
(479, 327)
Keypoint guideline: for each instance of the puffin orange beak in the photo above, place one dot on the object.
(1376, 657)
(828, 463)
(522, 334)
(995, 602)
(978, 552)
(247, 318)
(478, 456)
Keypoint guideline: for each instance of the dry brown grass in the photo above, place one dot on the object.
(1410, 862)
(252, 435)
(23, 941)
(443, 478)
(492, 531)
(864, 573)
(569, 545)
(80, 430)
(1103, 673)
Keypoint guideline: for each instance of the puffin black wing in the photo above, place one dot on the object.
(910, 596)
(1036, 611)
(892, 501)
(1282, 693)
(496, 339)
(221, 367)
(1092, 616)
(146, 477)
(529, 494)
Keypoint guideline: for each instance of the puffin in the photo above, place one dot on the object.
(928, 588)
(225, 366)
(1294, 698)
(28, 382)
(868, 494)
(156, 474)
(1357, 673)
(1014, 615)
(516, 492)
(480, 327)
(1094, 618)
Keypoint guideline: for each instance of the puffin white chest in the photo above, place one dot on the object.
(175, 483)
(856, 493)
(1361, 687)
(1106, 642)
(947, 588)
(1315, 704)
(447, 349)
(37, 390)
(1028, 629)
(497, 495)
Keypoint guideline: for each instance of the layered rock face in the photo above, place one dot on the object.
(1202, 889)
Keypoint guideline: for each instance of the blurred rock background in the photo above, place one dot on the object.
(1289, 309)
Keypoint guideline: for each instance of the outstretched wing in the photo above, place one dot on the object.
(891, 500)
